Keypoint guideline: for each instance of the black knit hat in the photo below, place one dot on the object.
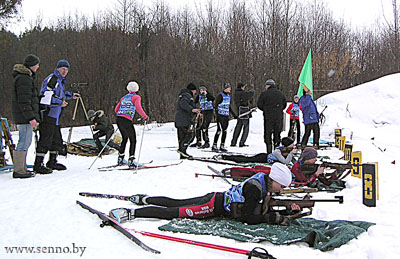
(191, 87)
(31, 60)
(287, 141)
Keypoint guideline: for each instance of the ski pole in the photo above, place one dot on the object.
(140, 147)
(108, 141)
(254, 252)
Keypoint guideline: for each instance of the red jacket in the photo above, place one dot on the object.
(300, 177)
(289, 110)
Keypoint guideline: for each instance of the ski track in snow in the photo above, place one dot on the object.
(42, 212)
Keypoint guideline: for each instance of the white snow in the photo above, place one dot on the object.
(41, 212)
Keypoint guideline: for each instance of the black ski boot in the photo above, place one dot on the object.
(206, 145)
(52, 163)
(214, 147)
(222, 148)
(39, 167)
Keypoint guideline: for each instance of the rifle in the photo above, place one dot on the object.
(5, 129)
(247, 113)
(299, 146)
(305, 203)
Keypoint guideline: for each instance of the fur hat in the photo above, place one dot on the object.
(270, 82)
(287, 141)
(281, 174)
(63, 63)
(308, 153)
(191, 87)
(132, 87)
(31, 60)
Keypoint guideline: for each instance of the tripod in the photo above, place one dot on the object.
(78, 100)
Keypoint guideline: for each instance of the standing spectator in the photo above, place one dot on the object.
(207, 110)
(25, 110)
(125, 111)
(103, 126)
(294, 111)
(310, 118)
(50, 133)
(223, 108)
(185, 109)
(272, 102)
(242, 99)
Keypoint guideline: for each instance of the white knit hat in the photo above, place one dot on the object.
(281, 174)
(132, 87)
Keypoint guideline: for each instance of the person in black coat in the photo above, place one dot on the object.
(272, 102)
(25, 111)
(185, 110)
(242, 99)
(103, 125)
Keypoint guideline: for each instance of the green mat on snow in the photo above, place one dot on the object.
(319, 234)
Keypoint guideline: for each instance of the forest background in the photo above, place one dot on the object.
(165, 49)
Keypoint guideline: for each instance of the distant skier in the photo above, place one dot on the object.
(310, 118)
(239, 202)
(125, 111)
(103, 126)
(242, 99)
(207, 110)
(272, 102)
(223, 108)
(294, 111)
(283, 154)
(185, 110)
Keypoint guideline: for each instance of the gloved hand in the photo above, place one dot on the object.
(281, 220)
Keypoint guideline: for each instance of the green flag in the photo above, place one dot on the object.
(305, 77)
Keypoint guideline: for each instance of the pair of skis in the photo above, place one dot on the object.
(144, 166)
(108, 221)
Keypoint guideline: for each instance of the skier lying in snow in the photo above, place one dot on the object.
(239, 202)
(280, 154)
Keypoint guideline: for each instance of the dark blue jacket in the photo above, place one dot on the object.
(56, 83)
(309, 109)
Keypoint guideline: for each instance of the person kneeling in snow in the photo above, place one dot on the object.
(240, 202)
(283, 154)
(103, 126)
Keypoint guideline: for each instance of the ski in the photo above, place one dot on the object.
(108, 221)
(140, 168)
(219, 173)
(123, 165)
(107, 196)
(211, 160)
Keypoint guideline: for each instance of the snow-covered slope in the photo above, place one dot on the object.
(41, 212)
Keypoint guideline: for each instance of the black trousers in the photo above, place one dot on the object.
(168, 208)
(293, 123)
(272, 126)
(259, 158)
(314, 127)
(100, 134)
(50, 138)
(185, 137)
(222, 126)
(241, 124)
(207, 118)
(127, 130)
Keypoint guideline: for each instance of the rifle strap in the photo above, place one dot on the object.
(260, 253)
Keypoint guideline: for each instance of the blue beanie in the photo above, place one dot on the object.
(63, 63)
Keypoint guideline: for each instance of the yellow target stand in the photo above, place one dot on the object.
(370, 184)
(341, 143)
(338, 133)
(356, 160)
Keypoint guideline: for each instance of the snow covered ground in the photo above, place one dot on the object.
(41, 212)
